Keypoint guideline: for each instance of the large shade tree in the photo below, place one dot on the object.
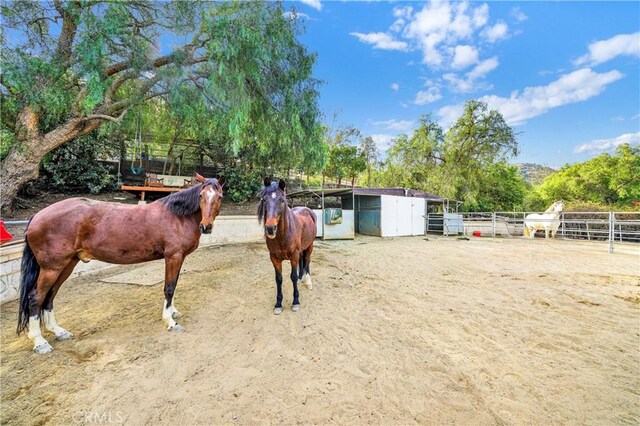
(71, 66)
(461, 164)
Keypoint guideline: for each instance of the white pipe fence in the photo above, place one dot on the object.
(610, 227)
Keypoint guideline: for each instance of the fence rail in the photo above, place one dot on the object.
(610, 227)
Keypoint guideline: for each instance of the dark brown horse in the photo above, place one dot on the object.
(290, 234)
(80, 229)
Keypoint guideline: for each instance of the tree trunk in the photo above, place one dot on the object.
(22, 163)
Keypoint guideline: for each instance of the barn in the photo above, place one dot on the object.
(381, 212)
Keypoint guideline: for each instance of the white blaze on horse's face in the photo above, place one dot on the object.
(210, 201)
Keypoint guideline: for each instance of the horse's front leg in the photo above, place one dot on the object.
(277, 265)
(294, 278)
(173, 264)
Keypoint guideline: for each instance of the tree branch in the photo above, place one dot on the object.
(105, 117)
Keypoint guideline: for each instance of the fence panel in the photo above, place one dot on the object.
(611, 227)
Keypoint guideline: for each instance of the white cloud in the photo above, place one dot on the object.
(381, 41)
(313, 3)
(449, 114)
(605, 50)
(576, 86)
(603, 145)
(393, 124)
(484, 68)
(518, 14)
(570, 88)
(444, 31)
(472, 80)
(383, 141)
(395, 87)
(432, 94)
(463, 56)
(441, 25)
(497, 32)
(293, 15)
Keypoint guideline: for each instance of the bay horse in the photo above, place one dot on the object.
(549, 221)
(290, 234)
(77, 229)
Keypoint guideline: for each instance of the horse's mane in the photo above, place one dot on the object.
(552, 207)
(187, 201)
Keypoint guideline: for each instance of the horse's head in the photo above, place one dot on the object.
(210, 201)
(558, 206)
(273, 202)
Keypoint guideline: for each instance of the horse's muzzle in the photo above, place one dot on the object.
(206, 229)
(271, 231)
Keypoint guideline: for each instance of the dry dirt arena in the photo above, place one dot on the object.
(394, 331)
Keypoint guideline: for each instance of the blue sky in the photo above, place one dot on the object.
(565, 75)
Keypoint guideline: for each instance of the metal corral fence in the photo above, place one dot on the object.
(610, 227)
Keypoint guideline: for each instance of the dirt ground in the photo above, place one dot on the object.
(394, 331)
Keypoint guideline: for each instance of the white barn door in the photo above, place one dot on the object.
(417, 216)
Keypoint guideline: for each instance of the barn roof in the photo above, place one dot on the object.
(340, 192)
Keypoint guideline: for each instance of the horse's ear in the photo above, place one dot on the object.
(267, 181)
(282, 184)
(221, 181)
(199, 178)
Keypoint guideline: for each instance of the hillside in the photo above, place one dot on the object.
(534, 173)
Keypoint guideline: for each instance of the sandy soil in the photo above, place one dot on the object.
(394, 331)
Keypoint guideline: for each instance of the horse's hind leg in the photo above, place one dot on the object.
(46, 280)
(49, 318)
(306, 279)
(295, 260)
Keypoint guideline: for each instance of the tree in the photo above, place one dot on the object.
(69, 67)
(503, 189)
(458, 164)
(345, 162)
(370, 151)
(477, 140)
(336, 137)
(602, 180)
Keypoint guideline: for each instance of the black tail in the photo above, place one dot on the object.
(301, 263)
(29, 271)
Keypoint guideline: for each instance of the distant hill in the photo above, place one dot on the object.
(534, 173)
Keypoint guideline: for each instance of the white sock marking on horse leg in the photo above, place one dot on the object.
(50, 324)
(307, 281)
(40, 344)
(167, 316)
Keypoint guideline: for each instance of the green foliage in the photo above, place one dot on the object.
(75, 166)
(503, 188)
(468, 163)
(345, 162)
(235, 98)
(242, 184)
(606, 179)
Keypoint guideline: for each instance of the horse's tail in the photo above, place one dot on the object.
(28, 280)
(301, 264)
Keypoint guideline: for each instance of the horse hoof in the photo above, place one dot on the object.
(43, 348)
(176, 328)
(277, 311)
(64, 335)
(295, 308)
(176, 315)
